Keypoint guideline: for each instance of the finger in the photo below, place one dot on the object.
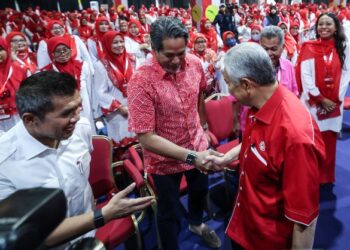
(141, 200)
(213, 152)
(125, 191)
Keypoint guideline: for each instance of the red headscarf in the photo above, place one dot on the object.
(289, 42)
(5, 65)
(72, 67)
(191, 33)
(224, 37)
(26, 58)
(137, 38)
(297, 36)
(196, 53)
(98, 34)
(49, 26)
(210, 34)
(84, 30)
(9, 83)
(318, 49)
(119, 67)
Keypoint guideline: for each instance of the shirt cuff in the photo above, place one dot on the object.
(113, 107)
(303, 219)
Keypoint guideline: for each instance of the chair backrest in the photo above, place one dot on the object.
(136, 158)
(220, 117)
(101, 177)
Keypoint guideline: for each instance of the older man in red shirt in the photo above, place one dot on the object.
(166, 110)
(278, 199)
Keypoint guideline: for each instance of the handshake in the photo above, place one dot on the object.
(211, 161)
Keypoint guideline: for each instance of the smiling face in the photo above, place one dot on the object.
(273, 48)
(326, 27)
(200, 45)
(118, 45)
(133, 29)
(18, 43)
(62, 54)
(172, 55)
(103, 26)
(57, 30)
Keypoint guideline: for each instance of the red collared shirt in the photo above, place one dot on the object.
(167, 104)
(281, 151)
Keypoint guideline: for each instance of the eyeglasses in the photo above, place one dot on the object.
(200, 41)
(63, 51)
(57, 28)
(18, 41)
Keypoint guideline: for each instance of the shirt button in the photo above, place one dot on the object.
(249, 137)
(245, 155)
(242, 173)
(238, 204)
(240, 188)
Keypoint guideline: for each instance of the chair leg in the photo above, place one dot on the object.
(137, 237)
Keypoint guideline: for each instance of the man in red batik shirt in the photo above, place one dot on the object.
(166, 111)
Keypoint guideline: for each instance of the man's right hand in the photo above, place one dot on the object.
(120, 205)
(205, 166)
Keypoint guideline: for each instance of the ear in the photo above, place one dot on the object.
(29, 119)
(246, 84)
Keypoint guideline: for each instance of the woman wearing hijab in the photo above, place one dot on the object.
(20, 50)
(323, 70)
(60, 53)
(214, 40)
(94, 43)
(255, 33)
(290, 51)
(207, 57)
(56, 28)
(11, 75)
(294, 31)
(134, 44)
(84, 30)
(191, 32)
(272, 18)
(112, 75)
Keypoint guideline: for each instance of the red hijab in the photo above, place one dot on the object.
(210, 34)
(137, 38)
(224, 37)
(6, 65)
(72, 67)
(49, 26)
(99, 35)
(318, 49)
(119, 67)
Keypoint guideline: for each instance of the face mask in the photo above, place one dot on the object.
(256, 37)
(231, 42)
(273, 12)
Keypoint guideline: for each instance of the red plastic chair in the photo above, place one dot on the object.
(102, 183)
(220, 119)
(347, 103)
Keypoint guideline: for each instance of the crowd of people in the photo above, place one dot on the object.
(145, 74)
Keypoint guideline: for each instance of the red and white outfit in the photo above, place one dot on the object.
(278, 186)
(112, 75)
(317, 64)
(25, 58)
(79, 50)
(132, 45)
(79, 70)
(94, 43)
(11, 75)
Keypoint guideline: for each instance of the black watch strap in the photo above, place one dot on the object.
(98, 218)
(191, 158)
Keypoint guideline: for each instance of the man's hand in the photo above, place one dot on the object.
(124, 111)
(205, 166)
(120, 205)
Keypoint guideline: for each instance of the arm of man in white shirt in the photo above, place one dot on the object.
(120, 205)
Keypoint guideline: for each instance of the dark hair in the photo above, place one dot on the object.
(166, 27)
(37, 91)
(339, 35)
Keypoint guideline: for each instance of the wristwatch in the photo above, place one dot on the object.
(98, 218)
(191, 158)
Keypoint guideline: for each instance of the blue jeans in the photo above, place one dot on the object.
(169, 207)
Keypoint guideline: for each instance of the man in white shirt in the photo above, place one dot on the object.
(51, 147)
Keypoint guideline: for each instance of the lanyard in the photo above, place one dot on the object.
(8, 78)
(56, 69)
(118, 71)
(328, 59)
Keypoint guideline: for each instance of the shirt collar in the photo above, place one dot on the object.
(267, 111)
(162, 72)
(282, 65)
(32, 147)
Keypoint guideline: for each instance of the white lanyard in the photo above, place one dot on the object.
(125, 70)
(100, 45)
(328, 59)
(8, 78)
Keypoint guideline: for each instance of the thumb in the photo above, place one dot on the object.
(215, 153)
(123, 193)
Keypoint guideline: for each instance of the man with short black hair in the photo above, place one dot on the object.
(166, 111)
(50, 147)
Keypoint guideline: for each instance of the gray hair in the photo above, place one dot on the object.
(166, 27)
(271, 32)
(249, 60)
